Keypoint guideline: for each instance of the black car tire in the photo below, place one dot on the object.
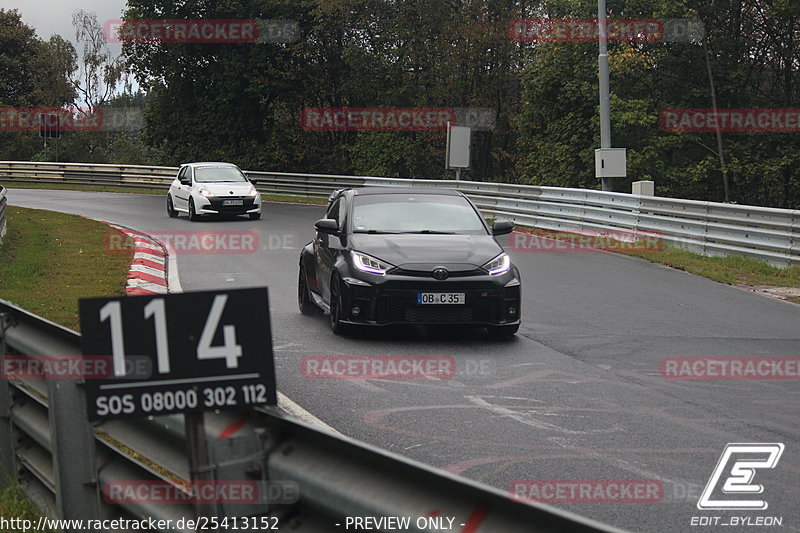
(502, 332)
(337, 326)
(307, 307)
(192, 213)
(171, 208)
(255, 216)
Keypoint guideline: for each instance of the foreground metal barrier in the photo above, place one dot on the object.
(63, 462)
(710, 228)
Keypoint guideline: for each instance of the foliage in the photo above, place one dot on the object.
(33, 73)
(754, 63)
(243, 102)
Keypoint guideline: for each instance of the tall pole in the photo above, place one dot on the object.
(716, 128)
(605, 99)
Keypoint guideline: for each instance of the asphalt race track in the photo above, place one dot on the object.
(577, 395)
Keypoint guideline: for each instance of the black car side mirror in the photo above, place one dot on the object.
(502, 227)
(327, 225)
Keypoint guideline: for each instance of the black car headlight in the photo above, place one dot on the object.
(367, 263)
(499, 265)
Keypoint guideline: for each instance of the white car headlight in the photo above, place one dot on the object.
(205, 192)
(499, 265)
(253, 192)
(367, 263)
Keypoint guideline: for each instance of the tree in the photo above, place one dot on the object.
(243, 102)
(100, 71)
(217, 100)
(33, 73)
(754, 63)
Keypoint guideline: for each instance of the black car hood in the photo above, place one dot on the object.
(406, 249)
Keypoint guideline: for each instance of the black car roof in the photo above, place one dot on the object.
(361, 191)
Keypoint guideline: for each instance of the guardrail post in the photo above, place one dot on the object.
(200, 468)
(638, 212)
(3, 203)
(7, 453)
(73, 450)
(705, 228)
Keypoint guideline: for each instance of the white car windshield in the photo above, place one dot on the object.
(218, 175)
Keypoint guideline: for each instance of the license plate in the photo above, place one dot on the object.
(232, 202)
(441, 298)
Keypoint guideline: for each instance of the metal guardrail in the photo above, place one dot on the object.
(3, 203)
(768, 234)
(62, 461)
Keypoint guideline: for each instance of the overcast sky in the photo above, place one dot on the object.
(49, 17)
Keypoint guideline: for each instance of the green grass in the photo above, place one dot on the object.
(48, 260)
(15, 504)
(733, 270)
(284, 198)
(65, 187)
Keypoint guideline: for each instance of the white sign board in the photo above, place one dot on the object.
(458, 146)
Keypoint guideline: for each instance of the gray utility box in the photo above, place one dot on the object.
(610, 163)
(644, 188)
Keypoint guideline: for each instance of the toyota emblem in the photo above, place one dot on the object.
(440, 273)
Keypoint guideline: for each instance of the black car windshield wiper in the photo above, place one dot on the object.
(430, 231)
(376, 231)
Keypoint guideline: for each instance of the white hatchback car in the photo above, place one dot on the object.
(212, 189)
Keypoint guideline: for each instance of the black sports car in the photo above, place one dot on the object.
(387, 255)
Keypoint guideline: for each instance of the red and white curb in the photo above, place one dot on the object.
(153, 273)
(148, 273)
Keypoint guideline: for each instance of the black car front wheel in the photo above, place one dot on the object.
(171, 208)
(192, 213)
(338, 327)
(307, 307)
(502, 332)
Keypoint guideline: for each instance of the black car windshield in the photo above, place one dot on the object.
(415, 213)
(218, 174)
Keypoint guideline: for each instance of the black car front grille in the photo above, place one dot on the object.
(429, 273)
(440, 315)
(401, 306)
(247, 204)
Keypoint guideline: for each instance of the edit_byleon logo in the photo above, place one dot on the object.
(734, 475)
